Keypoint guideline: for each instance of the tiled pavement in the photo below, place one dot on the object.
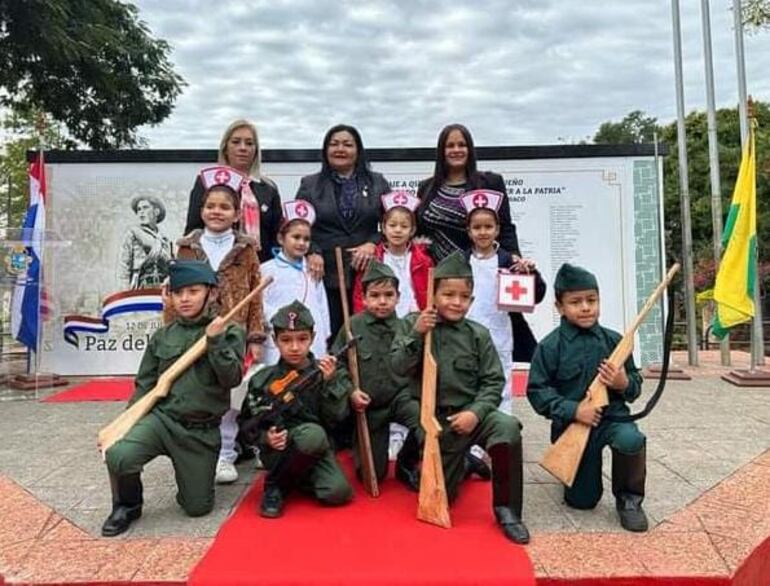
(708, 489)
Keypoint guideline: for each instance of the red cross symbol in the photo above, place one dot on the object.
(400, 198)
(301, 210)
(292, 318)
(222, 176)
(515, 290)
(480, 200)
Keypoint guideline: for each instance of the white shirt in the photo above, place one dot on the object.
(292, 280)
(217, 245)
(401, 264)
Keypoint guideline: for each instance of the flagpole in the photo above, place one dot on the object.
(684, 192)
(716, 184)
(757, 335)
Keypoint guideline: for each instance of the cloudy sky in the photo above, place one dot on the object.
(516, 72)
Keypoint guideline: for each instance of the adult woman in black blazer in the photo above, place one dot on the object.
(346, 197)
(442, 218)
(239, 148)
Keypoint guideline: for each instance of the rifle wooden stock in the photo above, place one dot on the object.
(368, 473)
(433, 505)
(562, 459)
(120, 426)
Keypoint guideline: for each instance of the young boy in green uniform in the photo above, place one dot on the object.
(296, 452)
(565, 363)
(470, 382)
(384, 396)
(184, 425)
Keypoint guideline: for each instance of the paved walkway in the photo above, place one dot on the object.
(702, 431)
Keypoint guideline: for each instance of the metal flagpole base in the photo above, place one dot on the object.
(674, 372)
(30, 382)
(748, 378)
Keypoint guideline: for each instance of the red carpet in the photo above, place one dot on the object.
(368, 542)
(98, 389)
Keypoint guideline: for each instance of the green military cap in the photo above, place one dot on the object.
(572, 278)
(294, 316)
(454, 266)
(376, 271)
(190, 272)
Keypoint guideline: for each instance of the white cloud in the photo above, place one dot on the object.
(525, 72)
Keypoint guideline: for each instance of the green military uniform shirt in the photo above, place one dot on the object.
(563, 367)
(185, 424)
(326, 403)
(375, 337)
(202, 392)
(470, 376)
(392, 395)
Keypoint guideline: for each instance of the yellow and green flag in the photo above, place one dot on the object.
(734, 288)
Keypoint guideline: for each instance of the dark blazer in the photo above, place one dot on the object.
(270, 214)
(524, 341)
(330, 230)
(480, 180)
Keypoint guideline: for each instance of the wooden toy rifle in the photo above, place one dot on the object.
(562, 459)
(368, 473)
(120, 426)
(433, 505)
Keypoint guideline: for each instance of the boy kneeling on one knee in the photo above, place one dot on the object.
(184, 425)
(563, 367)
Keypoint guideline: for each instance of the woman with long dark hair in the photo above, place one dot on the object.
(441, 215)
(346, 196)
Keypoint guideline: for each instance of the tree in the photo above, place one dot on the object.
(91, 64)
(756, 13)
(20, 128)
(635, 128)
(699, 177)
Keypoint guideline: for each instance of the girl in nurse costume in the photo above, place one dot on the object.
(486, 258)
(292, 279)
(406, 255)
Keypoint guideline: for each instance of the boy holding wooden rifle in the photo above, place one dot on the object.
(385, 397)
(184, 425)
(470, 382)
(564, 364)
(296, 450)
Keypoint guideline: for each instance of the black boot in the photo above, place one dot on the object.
(628, 478)
(126, 504)
(477, 466)
(272, 500)
(291, 467)
(407, 463)
(507, 487)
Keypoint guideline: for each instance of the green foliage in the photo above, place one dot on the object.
(20, 127)
(756, 13)
(90, 64)
(635, 128)
(728, 132)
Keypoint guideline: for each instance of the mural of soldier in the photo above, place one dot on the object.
(145, 252)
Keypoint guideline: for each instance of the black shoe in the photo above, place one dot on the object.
(409, 476)
(272, 502)
(477, 466)
(632, 516)
(120, 519)
(512, 526)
